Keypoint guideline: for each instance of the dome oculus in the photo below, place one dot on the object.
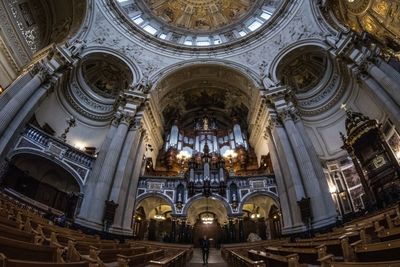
(199, 22)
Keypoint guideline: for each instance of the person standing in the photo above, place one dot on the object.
(205, 249)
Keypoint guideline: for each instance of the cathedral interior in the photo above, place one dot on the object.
(253, 133)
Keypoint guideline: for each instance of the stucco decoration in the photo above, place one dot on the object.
(106, 75)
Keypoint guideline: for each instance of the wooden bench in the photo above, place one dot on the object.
(111, 255)
(14, 233)
(140, 259)
(333, 246)
(27, 251)
(328, 261)
(306, 255)
(270, 259)
(234, 259)
(379, 251)
(390, 233)
(5, 262)
(178, 260)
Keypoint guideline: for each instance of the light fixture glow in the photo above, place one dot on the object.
(230, 153)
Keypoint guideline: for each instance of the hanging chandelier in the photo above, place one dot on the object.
(159, 216)
(255, 213)
(207, 218)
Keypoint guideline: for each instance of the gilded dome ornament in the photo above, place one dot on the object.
(357, 7)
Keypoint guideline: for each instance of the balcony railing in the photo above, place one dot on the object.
(36, 141)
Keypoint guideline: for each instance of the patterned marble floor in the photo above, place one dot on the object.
(214, 259)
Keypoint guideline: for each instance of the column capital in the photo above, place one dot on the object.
(131, 100)
(143, 86)
(48, 61)
(126, 118)
(41, 70)
(273, 121)
(137, 123)
(285, 114)
(276, 93)
(295, 114)
(267, 133)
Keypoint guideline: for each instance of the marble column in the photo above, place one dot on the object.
(330, 208)
(387, 69)
(292, 178)
(384, 99)
(133, 184)
(122, 176)
(24, 114)
(10, 110)
(309, 178)
(280, 181)
(15, 87)
(391, 86)
(90, 185)
(104, 181)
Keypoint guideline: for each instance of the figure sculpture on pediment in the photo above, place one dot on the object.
(269, 83)
(76, 47)
(144, 85)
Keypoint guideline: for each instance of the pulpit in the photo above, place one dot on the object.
(375, 162)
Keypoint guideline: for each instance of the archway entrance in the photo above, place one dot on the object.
(207, 216)
(44, 181)
(152, 220)
(261, 218)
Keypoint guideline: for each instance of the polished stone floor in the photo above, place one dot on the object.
(214, 259)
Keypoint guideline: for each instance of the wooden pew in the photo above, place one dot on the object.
(13, 233)
(392, 232)
(328, 261)
(379, 251)
(270, 259)
(306, 255)
(333, 246)
(234, 259)
(140, 259)
(26, 251)
(178, 260)
(111, 255)
(5, 262)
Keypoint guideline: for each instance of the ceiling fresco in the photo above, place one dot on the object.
(200, 15)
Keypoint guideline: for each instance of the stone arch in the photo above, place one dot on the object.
(130, 63)
(229, 82)
(317, 79)
(155, 195)
(162, 74)
(78, 179)
(223, 200)
(275, 198)
(272, 69)
(214, 204)
(62, 20)
(80, 96)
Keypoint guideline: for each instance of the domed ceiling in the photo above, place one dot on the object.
(380, 18)
(199, 22)
(200, 15)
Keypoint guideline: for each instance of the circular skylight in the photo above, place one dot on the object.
(199, 22)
